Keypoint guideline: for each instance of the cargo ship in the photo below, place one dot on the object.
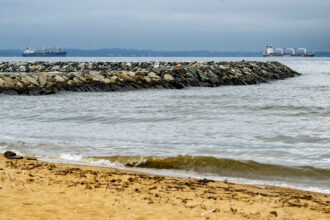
(51, 52)
(281, 52)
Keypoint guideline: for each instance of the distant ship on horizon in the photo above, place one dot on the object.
(294, 52)
(51, 52)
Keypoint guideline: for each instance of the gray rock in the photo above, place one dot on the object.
(52, 77)
(22, 69)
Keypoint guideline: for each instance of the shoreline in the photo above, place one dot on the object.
(30, 188)
(184, 174)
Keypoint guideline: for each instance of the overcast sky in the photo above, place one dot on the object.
(218, 25)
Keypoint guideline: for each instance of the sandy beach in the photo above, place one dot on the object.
(32, 189)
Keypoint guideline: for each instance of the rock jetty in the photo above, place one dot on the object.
(41, 78)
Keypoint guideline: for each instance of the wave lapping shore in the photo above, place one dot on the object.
(32, 189)
(40, 78)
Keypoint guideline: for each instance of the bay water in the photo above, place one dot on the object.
(276, 133)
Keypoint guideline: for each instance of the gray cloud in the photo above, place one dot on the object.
(162, 25)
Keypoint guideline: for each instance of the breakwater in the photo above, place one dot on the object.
(41, 78)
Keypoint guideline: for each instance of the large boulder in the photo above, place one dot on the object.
(1, 82)
(168, 78)
(8, 83)
(31, 80)
(22, 69)
(42, 79)
(59, 79)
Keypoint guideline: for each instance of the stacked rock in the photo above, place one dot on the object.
(38, 78)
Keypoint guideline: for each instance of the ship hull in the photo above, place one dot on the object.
(57, 54)
(272, 55)
(288, 55)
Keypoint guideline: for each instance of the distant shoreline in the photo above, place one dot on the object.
(114, 52)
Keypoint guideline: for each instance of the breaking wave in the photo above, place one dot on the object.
(222, 167)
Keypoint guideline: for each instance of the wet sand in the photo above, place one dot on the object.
(32, 189)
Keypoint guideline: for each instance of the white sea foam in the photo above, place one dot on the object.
(79, 159)
(70, 157)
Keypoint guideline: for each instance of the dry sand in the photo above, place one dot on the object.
(32, 189)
